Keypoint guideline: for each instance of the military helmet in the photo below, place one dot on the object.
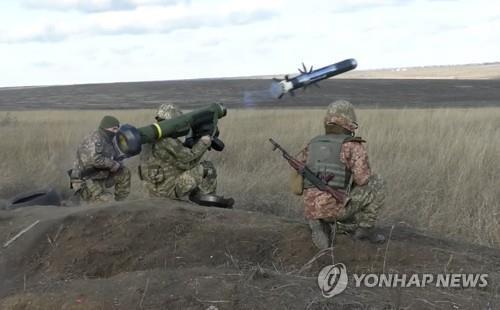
(167, 111)
(341, 112)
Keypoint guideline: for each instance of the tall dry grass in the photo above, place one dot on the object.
(442, 166)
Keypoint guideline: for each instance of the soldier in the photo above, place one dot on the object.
(342, 161)
(171, 170)
(97, 168)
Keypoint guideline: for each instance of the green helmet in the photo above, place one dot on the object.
(341, 112)
(168, 111)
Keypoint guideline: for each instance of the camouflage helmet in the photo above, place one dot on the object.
(341, 112)
(167, 111)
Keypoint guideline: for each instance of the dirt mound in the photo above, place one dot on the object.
(104, 242)
(165, 255)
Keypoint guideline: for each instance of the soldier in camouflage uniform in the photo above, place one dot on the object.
(342, 160)
(96, 167)
(171, 170)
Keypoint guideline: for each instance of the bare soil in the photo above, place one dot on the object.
(155, 254)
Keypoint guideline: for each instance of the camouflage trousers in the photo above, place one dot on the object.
(202, 177)
(366, 202)
(361, 211)
(97, 190)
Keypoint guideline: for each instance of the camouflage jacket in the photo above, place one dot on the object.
(96, 152)
(320, 204)
(164, 161)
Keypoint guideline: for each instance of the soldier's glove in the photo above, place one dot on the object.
(207, 140)
(116, 166)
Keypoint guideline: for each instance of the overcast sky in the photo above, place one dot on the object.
(47, 42)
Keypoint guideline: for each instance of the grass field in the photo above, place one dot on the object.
(463, 72)
(441, 165)
(470, 71)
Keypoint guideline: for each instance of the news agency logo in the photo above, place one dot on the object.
(333, 279)
(448, 280)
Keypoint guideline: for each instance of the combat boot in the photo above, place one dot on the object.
(320, 237)
(369, 234)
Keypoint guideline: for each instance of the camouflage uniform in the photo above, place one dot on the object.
(366, 191)
(366, 195)
(171, 170)
(94, 161)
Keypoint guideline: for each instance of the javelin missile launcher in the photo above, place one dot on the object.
(311, 77)
(195, 124)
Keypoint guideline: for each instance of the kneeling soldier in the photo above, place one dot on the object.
(341, 160)
(171, 170)
(97, 167)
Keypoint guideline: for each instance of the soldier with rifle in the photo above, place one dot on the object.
(341, 194)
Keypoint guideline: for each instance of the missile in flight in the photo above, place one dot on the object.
(309, 77)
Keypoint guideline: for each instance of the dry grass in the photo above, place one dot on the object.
(442, 166)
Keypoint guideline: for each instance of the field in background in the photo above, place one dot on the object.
(254, 93)
(468, 71)
(441, 165)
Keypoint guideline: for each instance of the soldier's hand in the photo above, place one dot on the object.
(117, 165)
(207, 140)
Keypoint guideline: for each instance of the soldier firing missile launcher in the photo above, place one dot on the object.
(311, 77)
(197, 123)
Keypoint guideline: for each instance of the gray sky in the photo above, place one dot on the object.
(47, 42)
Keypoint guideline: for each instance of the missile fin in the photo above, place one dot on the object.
(304, 69)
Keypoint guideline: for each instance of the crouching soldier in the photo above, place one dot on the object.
(341, 160)
(169, 169)
(96, 167)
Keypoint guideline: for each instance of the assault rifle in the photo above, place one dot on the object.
(307, 174)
